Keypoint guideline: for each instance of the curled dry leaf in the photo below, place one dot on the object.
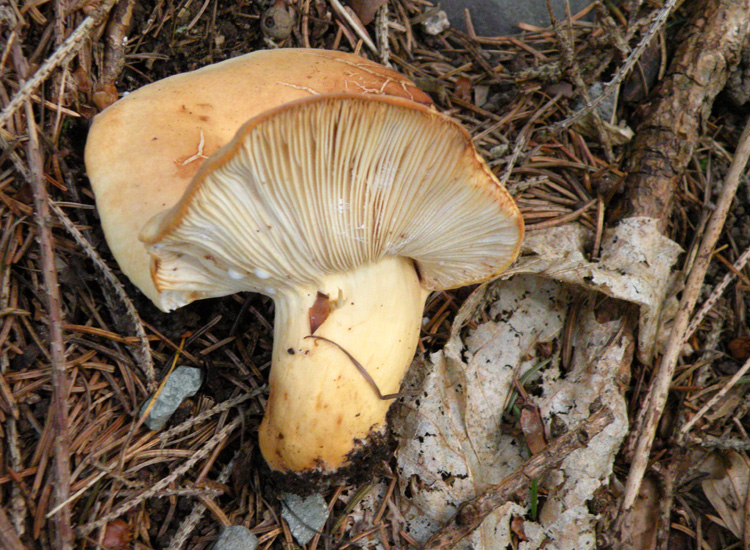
(641, 520)
(516, 524)
(728, 493)
(635, 266)
(319, 311)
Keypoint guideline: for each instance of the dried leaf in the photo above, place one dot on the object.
(533, 429)
(463, 88)
(618, 135)
(516, 524)
(366, 9)
(739, 348)
(635, 266)
(452, 446)
(104, 95)
(117, 535)
(727, 406)
(728, 493)
(640, 521)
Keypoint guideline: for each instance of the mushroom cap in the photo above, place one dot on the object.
(325, 184)
(143, 151)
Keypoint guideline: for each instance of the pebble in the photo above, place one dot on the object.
(305, 516)
(184, 382)
(437, 23)
(236, 537)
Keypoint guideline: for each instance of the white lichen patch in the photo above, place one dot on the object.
(452, 444)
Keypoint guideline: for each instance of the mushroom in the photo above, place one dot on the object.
(143, 150)
(347, 209)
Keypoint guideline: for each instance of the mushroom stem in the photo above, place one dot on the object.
(321, 407)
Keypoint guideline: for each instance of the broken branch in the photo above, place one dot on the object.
(472, 512)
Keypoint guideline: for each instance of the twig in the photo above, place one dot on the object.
(666, 499)
(472, 512)
(147, 362)
(221, 407)
(164, 482)
(60, 382)
(567, 52)
(717, 293)
(715, 399)
(657, 396)
(113, 61)
(355, 25)
(62, 54)
(708, 46)
(656, 24)
(306, 25)
(8, 537)
(383, 35)
(191, 521)
(191, 491)
(523, 138)
(713, 442)
(18, 508)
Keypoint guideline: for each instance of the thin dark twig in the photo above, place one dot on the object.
(361, 370)
(60, 382)
(657, 22)
(146, 361)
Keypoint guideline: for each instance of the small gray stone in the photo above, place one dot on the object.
(236, 537)
(305, 516)
(607, 107)
(436, 23)
(498, 151)
(184, 382)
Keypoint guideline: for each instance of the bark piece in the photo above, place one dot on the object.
(710, 46)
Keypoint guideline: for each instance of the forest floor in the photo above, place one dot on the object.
(77, 469)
